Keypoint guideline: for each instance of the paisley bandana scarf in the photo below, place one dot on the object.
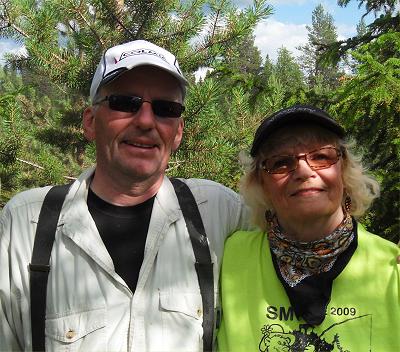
(298, 260)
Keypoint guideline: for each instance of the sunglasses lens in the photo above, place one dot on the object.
(319, 159)
(322, 158)
(125, 103)
(280, 164)
(161, 108)
(164, 108)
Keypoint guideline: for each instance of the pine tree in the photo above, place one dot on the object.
(268, 68)
(226, 123)
(289, 73)
(361, 28)
(64, 41)
(322, 32)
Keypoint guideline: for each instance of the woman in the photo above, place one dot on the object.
(312, 278)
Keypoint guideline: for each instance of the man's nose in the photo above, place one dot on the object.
(145, 118)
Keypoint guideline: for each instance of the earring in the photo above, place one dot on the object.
(347, 204)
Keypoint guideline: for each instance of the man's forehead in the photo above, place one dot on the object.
(144, 76)
(148, 70)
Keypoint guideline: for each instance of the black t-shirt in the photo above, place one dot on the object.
(123, 231)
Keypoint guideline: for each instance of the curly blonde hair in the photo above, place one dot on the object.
(358, 185)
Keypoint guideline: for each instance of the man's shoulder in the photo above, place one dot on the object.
(223, 210)
(22, 209)
(33, 198)
(28, 198)
(208, 188)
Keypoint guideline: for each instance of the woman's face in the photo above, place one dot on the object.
(304, 195)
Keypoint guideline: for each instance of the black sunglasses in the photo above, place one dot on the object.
(131, 103)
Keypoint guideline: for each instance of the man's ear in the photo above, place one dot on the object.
(178, 136)
(88, 122)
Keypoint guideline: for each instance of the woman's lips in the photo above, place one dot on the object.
(306, 191)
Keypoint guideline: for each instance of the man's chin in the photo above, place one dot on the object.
(142, 173)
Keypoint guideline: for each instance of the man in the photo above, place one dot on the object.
(122, 272)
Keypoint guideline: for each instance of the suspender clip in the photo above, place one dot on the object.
(39, 267)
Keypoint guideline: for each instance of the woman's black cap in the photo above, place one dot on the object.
(294, 114)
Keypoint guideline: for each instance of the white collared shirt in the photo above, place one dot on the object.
(89, 306)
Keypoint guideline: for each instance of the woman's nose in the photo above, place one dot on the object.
(303, 170)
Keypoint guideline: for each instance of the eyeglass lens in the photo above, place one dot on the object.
(317, 159)
(161, 108)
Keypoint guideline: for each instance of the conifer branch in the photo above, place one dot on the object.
(40, 167)
(85, 20)
(177, 164)
(144, 22)
(116, 19)
(59, 58)
(215, 24)
(30, 163)
(19, 30)
(27, 36)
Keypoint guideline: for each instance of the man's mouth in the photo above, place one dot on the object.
(140, 145)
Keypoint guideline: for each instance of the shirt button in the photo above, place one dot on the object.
(199, 312)
(70, 334)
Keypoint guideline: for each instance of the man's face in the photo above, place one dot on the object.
(135, 146)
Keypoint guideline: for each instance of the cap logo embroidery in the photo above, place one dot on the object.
(141, 52)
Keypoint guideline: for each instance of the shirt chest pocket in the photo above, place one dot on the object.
(79, 330)
(182, 318)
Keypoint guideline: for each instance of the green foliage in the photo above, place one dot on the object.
(9, 147)
(43, 92)
(370, 101)
(32, 141)
(387, 6)
(215, 133)
(289, 73)
(64, 39)
(388, 21)
(370, 107)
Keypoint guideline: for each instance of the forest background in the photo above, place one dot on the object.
(44, 91)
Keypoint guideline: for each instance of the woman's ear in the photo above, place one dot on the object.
(88, 122)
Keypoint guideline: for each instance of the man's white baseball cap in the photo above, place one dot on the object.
(122, 58)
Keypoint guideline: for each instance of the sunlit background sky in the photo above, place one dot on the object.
(286, 27)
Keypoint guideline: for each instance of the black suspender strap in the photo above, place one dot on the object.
(39, 266)
(203, 265)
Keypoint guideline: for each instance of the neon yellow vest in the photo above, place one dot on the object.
(363, 314)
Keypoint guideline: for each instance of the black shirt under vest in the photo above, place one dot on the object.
(123, 231)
